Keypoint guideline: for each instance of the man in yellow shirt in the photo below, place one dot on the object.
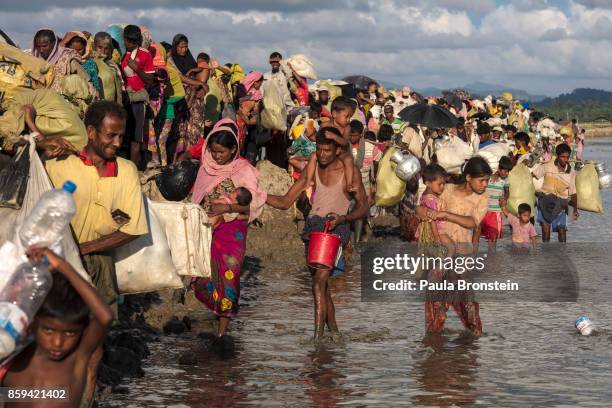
(110, 209)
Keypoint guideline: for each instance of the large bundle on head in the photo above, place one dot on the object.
(522, 189)
(452, 154)
(587, 189)
(302, 65)
(493, 153)
(19, 71)
(274, 114)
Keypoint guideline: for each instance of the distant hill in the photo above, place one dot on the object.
(483, 89)
(579, 95)
(583, 104)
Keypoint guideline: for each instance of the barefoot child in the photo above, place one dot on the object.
(343, 110)
(523, 231)
(65, 335)
(240, 196)
(434, 177)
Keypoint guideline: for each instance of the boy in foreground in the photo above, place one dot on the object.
(65, 336)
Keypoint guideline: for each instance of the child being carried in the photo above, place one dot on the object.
(239, 196)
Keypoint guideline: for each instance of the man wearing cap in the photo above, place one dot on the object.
(398, 125)
(484, 133)
(278, 75)
(497, 132)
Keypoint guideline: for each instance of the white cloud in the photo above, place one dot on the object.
(424, 43)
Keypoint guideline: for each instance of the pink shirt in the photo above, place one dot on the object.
(144, 60)
(521, 233)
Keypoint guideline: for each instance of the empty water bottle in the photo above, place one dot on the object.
(44, 226)
(584, 325)
(20, 299)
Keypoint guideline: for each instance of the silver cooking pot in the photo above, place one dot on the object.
(407, 165)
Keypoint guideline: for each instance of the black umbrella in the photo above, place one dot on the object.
(360, 81)
(454, 101)
(432, 116)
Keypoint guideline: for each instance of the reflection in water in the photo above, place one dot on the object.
(223, 387)
(324, 390)
(447, 375)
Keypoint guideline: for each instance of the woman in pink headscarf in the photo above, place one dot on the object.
(222, 170)
(247, 98)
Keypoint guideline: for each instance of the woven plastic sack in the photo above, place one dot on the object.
(10, 219)
(19, 71)
(452, 155)
(189, 236)
(493, 153)
(587, 189)
(274, 113)
(522, 189)
(389, 188)
(302, 65)
(144, 264)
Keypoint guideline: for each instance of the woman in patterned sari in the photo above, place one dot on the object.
(221, 171)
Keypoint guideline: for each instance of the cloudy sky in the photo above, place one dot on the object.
(543, 46)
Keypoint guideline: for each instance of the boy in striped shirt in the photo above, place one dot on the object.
(491, 226)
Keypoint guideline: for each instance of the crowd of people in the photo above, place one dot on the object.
(138, 103)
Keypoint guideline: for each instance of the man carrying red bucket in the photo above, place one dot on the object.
(328, 225)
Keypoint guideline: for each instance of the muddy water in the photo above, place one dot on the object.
(529, 355)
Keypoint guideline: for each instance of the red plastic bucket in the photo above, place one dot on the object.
(323, 249)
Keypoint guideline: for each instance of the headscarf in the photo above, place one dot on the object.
(116, 32)
(249, 81)
(161, 61)
(186, 62)
(55, 54)
(72, 34)
(242, 173)
(147, 38)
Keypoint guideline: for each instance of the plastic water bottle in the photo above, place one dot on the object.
(45, 224)
(584, 325)
(20, 299)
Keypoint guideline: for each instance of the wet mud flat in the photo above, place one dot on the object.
(529, 354)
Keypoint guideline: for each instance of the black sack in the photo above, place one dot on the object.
(14, 179)
(175, 181)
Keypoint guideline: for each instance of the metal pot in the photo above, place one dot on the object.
(600, 167)
(441, 141)
(407, 165)
(605, 180)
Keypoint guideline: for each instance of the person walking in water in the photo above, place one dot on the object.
(330, 201)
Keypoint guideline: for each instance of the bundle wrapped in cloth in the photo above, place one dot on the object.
(587, 189)
(452, 154)
(274, 113)
(302, 65)
(493, 153)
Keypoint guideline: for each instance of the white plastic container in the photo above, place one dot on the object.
(584, 325)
